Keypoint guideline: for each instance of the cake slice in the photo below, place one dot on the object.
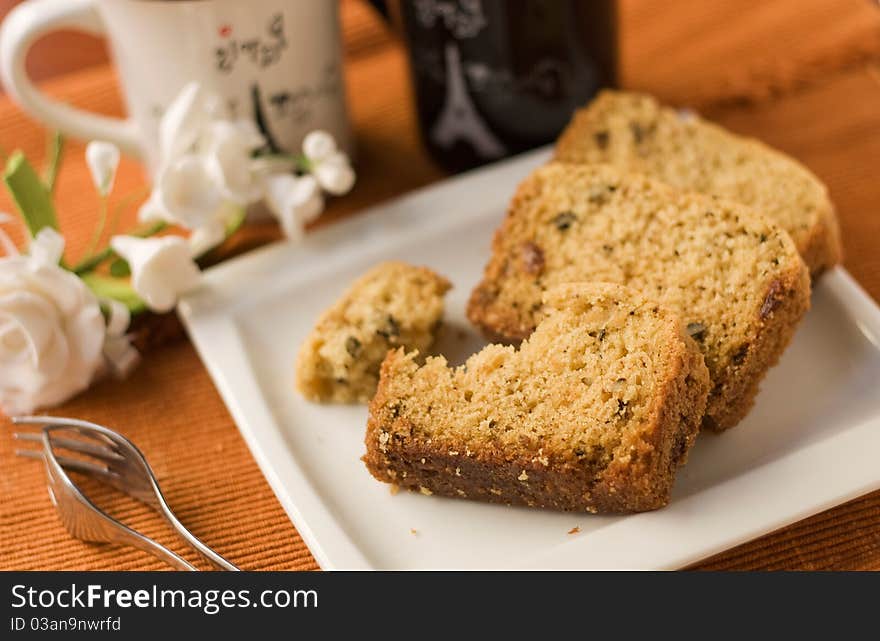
(594, 412)
(392, 305)
(736, 279)
(634, 132)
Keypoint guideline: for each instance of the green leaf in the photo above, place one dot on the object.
(54, 149)
(119, 268)
(116, 288)
(31, 197)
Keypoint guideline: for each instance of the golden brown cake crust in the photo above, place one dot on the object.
(786, 301)
(757, 326)
(399, 452)
(822, 247)
(634, 132)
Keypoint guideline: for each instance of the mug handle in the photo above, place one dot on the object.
(24, 25)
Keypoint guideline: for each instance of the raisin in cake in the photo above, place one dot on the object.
(634, 132)
(736, 279)
(392, 305)
(594, 412)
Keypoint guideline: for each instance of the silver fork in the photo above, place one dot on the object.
(122, 466)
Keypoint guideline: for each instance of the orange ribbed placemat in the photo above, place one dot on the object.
(803, 76)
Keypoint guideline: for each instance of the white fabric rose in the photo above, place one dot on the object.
(51, 329)
(161, 268)
(295, 201)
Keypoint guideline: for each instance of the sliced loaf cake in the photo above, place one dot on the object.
(735, 278)
(633, 131)
(594, 412)
(392, 305)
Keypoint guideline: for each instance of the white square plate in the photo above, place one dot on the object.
(811, 442)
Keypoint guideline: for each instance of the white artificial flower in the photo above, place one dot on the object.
(335, 174)
(184, 194)
(181, 124)
(51, 330)
(151, 211)
(161, 268)
(213, 233)
(206, 168)
(103, 160)
(294, 200)
(120, 355)
(229, 148)
(47, 247)
(206, 238)
(244, 129)
(330, 166)
(318, 145)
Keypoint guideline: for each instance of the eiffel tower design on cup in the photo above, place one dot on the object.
(459, 119)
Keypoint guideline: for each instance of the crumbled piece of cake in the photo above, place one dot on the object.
(594, 412)
(634, 132)
(735, 278)
(392, 305)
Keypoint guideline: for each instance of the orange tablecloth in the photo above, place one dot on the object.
(803, 76)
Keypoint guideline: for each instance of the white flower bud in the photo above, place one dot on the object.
(318, 145)
(103, 160)
(335, 174)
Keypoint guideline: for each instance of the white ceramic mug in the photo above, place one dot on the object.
(277, 61)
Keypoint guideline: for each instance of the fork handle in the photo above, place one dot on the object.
(210, 555)
(130, 537)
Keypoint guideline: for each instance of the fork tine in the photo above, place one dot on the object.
(50, 420)
(94, 430)
(35, 419)
(73, 445)
(69, 463)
